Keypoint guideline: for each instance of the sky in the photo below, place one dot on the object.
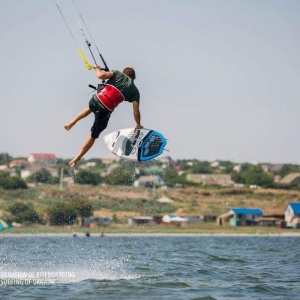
(218, 78)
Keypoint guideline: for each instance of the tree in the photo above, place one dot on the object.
(43, 176)
(11, 183)
(201, 167)
(87, 177)
(253, 175)
(227, 165)
(287, 169)
(24, 213)
(62, 213)
(5, 158)
(124, 175)
(83, 208)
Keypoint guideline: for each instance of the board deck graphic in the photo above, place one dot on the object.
(140, 145)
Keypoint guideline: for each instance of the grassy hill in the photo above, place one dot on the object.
(125, 201)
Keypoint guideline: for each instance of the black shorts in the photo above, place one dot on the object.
(102, 116)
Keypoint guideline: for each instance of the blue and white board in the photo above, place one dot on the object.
(140, 145)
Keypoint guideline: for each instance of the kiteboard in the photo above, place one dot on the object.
(139, 145)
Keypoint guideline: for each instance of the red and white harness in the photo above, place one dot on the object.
(110, 97)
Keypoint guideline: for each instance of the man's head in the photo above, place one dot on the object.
(129, 72)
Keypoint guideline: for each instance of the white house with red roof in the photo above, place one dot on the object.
(45, 159)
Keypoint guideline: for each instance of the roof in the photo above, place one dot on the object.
(247, 211)
(226, 215)
(276, 167)
(143, 218)
(295, 207)
(290, 178)
(211, 179)
(19, 160)
(173, 218)
(44, 155)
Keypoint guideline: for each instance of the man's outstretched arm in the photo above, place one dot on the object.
(137, 114)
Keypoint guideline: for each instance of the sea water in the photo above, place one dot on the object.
(162, 267)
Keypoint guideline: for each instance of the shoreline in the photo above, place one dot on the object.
(80, 234)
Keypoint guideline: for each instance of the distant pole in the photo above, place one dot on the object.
(61, 178)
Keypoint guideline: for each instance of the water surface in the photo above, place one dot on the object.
(193, 267)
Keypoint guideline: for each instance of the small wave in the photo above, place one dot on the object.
(204, 298)
(170, 284)
(218, 258)
(203, 271)
(239, 260)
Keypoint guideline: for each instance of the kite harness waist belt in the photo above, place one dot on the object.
(110, 97)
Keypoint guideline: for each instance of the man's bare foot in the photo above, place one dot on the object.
(73, 163)
(69, 126)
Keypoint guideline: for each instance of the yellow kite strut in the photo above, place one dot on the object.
(88, 66)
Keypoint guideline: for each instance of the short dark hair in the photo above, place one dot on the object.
(129, 72)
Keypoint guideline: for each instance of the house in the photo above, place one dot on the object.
(276, 167)
(33, 169)
(215, 164)
(292, 178)
(4, 168)
(94, 222)
(142, 220)
(150, 180)
(240, 216)
(292, 215)
(211, 179)
(201, 219)
(21, 162)
(237, 168)
(267, 221)
(88, 165)
(174, 220)
(48, 159)
(266, 167)
(246, 214)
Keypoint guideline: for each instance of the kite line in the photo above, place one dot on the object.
(86, 63)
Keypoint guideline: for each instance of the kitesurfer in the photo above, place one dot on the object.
(118, 88)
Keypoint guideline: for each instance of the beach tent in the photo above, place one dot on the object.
(4, 225)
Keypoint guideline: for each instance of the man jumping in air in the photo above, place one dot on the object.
(118, 88)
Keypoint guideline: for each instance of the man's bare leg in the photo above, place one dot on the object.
(80, 116)
(85, 148)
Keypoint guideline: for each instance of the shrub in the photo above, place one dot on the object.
(11, 183)
(24, 213)
(62, 213)
(87, 177)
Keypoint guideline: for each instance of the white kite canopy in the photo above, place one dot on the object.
(139, 145)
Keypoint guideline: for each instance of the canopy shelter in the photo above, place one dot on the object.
(4, 225)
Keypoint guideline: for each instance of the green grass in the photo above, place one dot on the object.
(202, 228)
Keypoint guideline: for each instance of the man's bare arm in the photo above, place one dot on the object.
(103, 75)
(137, 114)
